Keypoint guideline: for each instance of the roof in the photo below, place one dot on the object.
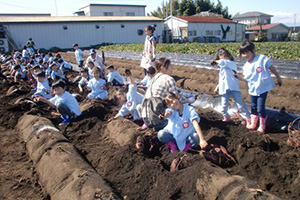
(76, 19)
(264, 27)
(202, 19)
(24, 14)
(251, 14)
(127, 5)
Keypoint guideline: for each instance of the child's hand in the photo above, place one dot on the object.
(110, 119)
(279, 82)
(203, 144)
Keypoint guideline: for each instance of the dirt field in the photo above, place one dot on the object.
(266, 159)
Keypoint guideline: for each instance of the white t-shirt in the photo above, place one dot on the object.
(69, 100)
(115, 75)
(98, 62)
(78, 55)
(258, 75)
(227, 80)
(133, 99)
(182, 126)
(97, 86)
(43, 88)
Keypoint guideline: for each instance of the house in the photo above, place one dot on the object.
(62, 32)
(112, 10)
(272, 32)
(202, 29)
(252, 18)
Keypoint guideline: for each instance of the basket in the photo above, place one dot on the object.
(294, 133)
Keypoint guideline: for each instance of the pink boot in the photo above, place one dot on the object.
(248, 122)
(145, 126)
(262, 125)
(187, 147)
(172, 146)
(254, 120)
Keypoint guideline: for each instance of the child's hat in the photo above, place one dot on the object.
(110, 67)
(92, 51)
(53, 64)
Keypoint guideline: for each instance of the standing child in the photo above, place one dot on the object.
(256, 72)
(43, 88)
(114, 77)
(148, 56)
(97, 85)
(78, 55)
(183, 130)
(65, 103)
(229, 84)
(129, 100)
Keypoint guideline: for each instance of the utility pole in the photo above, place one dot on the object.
(295, 17)
(171, 14)
(56, 8)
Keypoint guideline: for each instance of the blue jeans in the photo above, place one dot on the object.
(239, 101)
(165, 137)
(258, 105)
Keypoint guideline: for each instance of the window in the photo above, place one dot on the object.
(122, 26)
(130, 14)
(97, 26)
(140, 32)
(209, 32)
(65, 27)
(108, 14)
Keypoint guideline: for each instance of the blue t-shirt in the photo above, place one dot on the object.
(133, 99)
(97, 87)
(69, 100)
(115, 75)
(258, 75)
(59, 74)
(227, 80)
(146, 80)
(44, 89)
(182, 126)
(79, 55)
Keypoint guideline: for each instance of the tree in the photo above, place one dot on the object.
(298, 36)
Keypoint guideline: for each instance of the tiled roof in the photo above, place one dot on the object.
(263, 27)
(205, 19)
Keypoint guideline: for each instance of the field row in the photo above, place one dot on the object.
(277, 50)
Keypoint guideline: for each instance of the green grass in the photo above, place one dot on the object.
(278, 50)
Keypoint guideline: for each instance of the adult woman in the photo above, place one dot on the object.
(148, 57)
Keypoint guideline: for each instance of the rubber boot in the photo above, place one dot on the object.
(173, 146)
(254, 120)
(262, 125)
(187, 147)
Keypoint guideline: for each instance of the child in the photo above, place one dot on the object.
(229, 84)
(90, 67)
(183, 130)
(20, 74)
(256, 72)
(78, 55)
(148, 57)
(56, 73)
(65, 103)
(43, 88)
(114, 77)
(64, 66)
(147, 79)
(97, 85)
(84, 79)
(129, 100)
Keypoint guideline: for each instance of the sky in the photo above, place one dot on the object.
(284, 11)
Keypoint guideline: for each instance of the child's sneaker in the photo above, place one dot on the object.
(64, 122)
(226, 119)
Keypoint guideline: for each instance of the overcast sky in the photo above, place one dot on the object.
(286, 11)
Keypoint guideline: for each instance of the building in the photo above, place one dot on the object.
(271, 32)
(62, 32)
(112, 10)
(252, 18)
(202, 29)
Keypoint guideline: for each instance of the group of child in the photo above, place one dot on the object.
(182, 130)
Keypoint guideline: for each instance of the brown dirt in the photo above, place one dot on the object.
(266, 159)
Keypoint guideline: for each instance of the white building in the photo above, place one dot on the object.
(252, 18)
(202, 29)
(112, 10)
(62, 32)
